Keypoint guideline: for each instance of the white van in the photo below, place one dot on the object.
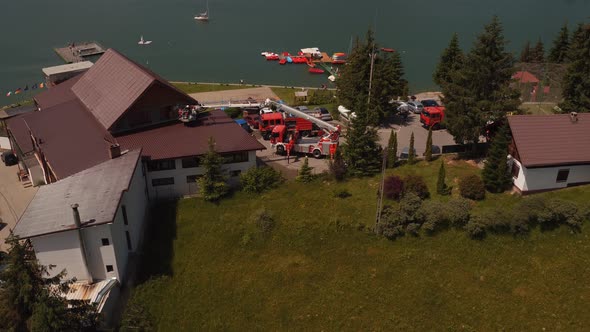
(346, 113)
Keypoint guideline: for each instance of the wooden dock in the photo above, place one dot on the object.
(76, 52)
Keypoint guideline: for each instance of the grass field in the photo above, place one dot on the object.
(538, 108)
(196, 88)
(318, 270)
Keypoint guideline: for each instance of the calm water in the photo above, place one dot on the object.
(227, 48)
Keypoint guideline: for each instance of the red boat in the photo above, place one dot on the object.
(282, 61)
(390, 50)
(316, 70)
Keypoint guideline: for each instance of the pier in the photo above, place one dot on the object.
(76, 52)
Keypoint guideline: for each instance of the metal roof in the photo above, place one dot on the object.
(70, 67)
(97, 190)
(180, 140)
(525, 77)
(97, 292)
(551, 140)
(56, 95)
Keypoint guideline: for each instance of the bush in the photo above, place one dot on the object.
(264, 220)
(337, 166)
(305, 175)
(393, 187)
(413, 228)
(320, 97)
(257, 180)
(410, 209)
(475, 229)
(342, 193)
(415, 184)
(233, 112)
(471, 187)
(558, 211)
(438, 215)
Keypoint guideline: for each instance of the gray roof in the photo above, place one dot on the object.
(97, 190)
(67, 68)
(14, 111)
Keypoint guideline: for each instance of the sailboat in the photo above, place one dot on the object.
(143, 42)
(203, 16)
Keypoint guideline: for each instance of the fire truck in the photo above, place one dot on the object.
(289, 140)
(268, 121)
(432, 115)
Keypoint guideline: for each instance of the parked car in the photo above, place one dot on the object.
(265, 110)
(244, 124)
(416, 107)
(322, 113)
(301, 108)
(8, 158)
(429, 103)
(346, 113)
(405, 154)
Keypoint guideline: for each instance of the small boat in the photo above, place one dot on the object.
(143, 42)
(339, 58)
(282, 61)
(271, 56)
(316, 70)
(203, 16)
(332, 78)
(289, 59)
(389, 50)
(286, 54)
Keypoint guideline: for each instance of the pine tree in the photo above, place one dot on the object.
(495, 174)
(451, 60)
(392, 150)
(428, 151)
(212, 183)
(412, 151)
(538, 52)
(481, 89)
(361, 151)
(338, 166)
(558, 53)
(526, 53)
(576, 81)
(305, 175)
(388, 83)
(441, 186)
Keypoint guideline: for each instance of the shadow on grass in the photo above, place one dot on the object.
(158, 244)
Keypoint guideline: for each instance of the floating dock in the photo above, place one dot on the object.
(76, 52)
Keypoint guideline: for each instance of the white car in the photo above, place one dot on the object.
(265, 110)
(415, 106)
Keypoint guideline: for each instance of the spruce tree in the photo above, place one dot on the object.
(305, 175)
(392, 150)
(441, 186)
(526, 53)
(558, 52)
(481, 89)
(361, 151)
(412, 151)
(495, 174)
(213, 184)
(576, 81)
(428, 151)
(388, 83)
(538, 52)
(451, 60)
(338, 166)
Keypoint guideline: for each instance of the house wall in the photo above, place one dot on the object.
(135, 202)
(181, 187)
(98, 255)
(544, 178)
(63, 251)
(5, 143)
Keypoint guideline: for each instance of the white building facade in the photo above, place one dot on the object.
(548, 178)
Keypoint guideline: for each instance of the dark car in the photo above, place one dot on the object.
(429, 103)
(8, 158)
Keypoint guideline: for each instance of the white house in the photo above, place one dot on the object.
(549, 151)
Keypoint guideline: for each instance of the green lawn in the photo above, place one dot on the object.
(538, 109)
(318, 271)
(195, 88)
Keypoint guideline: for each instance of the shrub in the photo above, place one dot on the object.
(305, 175)
(415, 184)
(393, 187)
(558, 211)
(438, 215)
(342, 193)
(257, 180)
(233, 112)
(458, 211)
(264, 220)
(337, 166)
(475, 229)
(441, 186)
(413, 228)
(410, 209)
(471, 186)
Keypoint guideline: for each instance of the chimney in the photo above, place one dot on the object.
(114, 151)
(574, 117)
(77, 220)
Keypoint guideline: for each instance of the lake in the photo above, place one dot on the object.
(227, 48)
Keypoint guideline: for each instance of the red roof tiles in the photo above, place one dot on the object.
(525, 77)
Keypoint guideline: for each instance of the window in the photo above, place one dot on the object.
(190, 162)
(515, 170)
(105, 242)
(238, 157)
(128, 240)
(161, 165)
(162, 182)
(235, 173)
(124, 211)
(562, 175)
(109, 268)
(192, 178)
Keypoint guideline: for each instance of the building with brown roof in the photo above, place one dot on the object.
(549, 151)
(118, 102)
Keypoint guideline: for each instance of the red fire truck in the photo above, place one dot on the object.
(432, 115)
(267, 122)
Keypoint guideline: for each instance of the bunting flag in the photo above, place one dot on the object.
(41, 85)
(34, 86)
(19, 90)
(9, 93)
(27, 88)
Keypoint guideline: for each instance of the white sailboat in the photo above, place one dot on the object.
(143, 42)
(203, 16)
